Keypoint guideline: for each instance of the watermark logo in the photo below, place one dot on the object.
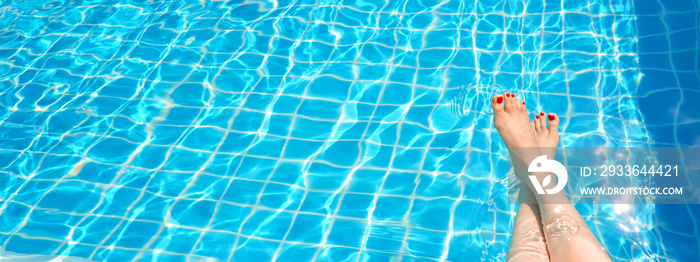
(542, 164)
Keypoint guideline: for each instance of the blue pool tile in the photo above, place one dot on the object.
(347, 232)
(12, 216)
(31, 191)
(230, 217)
(341, 153)
(425, 243)
(193, 213)
(143, 232)
(377, 156)
(215, 244)
(151, 156)
(203, 138)
(97, 228)
(281, 197)
(385, 238)
(156, 34)
(186, 160)
(223, 164)
(429, 186)
(293, 252)
(270, 147)
(322, 176)
(169, 184)
(248, 121)
(431, 214)
(151, 207)
(126, 196)
(231, 80)
(320, 108)
(110, 253)
(177, 240)
(352, 131)
(24, 137)
(243, 192)
(301, 149)
(319, 203)
(32, 245)
(256, 168)
(83, 197)
(370, 72)
(337, 254)
(267, 224)
(400, 208)
(251, 248)
(151, 256)
(366, 180)
(288, 172)
(286, 104)
(356, 205)
(408, 159)
(307, 228)
(77, 250)
(237, 142)
(206, 187)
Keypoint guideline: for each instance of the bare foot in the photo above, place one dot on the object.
(512, 123)
(510, 118)
(547, 137)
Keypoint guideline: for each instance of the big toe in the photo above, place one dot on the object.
(497, 102)
(553, 121)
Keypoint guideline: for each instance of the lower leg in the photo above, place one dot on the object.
(528, 240)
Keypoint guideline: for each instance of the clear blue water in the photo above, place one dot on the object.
(326, 130)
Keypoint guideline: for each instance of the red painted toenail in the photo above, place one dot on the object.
(523, 103)
(551, 117)
(542, 114)
(499, 99)
(537, 117)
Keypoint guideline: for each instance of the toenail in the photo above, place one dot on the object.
(499, 99)
(537, 117)
(523, 103)
(542, 114)
(551, 117)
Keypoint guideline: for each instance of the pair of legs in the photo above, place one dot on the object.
(547, 226)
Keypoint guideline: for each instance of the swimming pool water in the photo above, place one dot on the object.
(326, 130)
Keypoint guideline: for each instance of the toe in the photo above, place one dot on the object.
(532, 125)
(497, 102)
(537, 124)
(509, 102)
(518, 104)
(553, 120)
(543, 121)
